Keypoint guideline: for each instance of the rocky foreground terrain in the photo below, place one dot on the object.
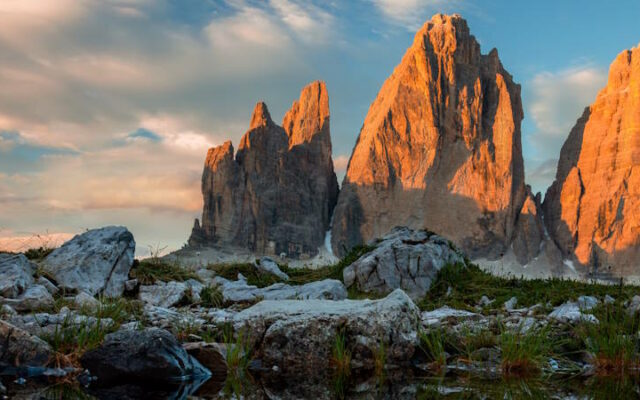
(406, 306)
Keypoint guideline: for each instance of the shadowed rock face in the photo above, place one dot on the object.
(592, 210)
(278, 194)
(439, 149)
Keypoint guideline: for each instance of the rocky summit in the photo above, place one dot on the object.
(440, 148)
(278, 193)
(592, 210)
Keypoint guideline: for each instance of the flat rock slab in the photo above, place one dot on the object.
(298, 335)
(403, 259)
(240, 291)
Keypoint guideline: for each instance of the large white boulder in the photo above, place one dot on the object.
(96, 262)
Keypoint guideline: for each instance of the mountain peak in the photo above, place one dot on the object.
(260, 116)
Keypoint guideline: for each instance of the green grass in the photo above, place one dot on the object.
(147, 272)
(524, 353)
(432, 344)
(211, 297)
(238, 351)
(71, 340)
(37, 254)
(380, 359)
(254, 276)
(297, 276)
(612, 343)
(341, 355)
(468, 284)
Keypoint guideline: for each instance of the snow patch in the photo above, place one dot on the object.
(569, 265)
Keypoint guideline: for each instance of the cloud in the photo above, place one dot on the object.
(541, 175)
(145, 134)
(340, 163)
(558, 100)
(413, 13)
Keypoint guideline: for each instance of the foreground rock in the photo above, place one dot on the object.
(440, 148)
(403, 259)
(591, 210)
(298, 336)
(240, 291)
(168, 294)
(16, 274)
(278, 192)
(150, 355)
(96, 262)
(19, 348)
(35, 298)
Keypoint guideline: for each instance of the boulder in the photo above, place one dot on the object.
(149, 355)
(444, 314)
(573, 312)
(591, 209)
(16, 274)
(97, 261)
(269, 266)
(35, 298)
(169, 294)
(297, 337)
(19, 348)
(211, 355)
(277, 193)
(240, 291)
(84, 300)
(440, 148)
(405, 259)
(41, 324)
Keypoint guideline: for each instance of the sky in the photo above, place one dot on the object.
(108, 107)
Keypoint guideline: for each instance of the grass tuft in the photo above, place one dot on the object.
(341, 355)
(432, 344)
(211, 297)
(147, 272)
(524, 353)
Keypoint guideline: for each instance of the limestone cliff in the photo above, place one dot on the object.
(592, 210)
(278, 193)
(439, 149)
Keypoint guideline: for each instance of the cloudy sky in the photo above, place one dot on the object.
(107, 107)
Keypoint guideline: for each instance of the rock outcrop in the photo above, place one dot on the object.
(149, 355)
(440, 148)
(592, 209)
(404, 259)
(298, 336)
(96, 262)
(278, 193)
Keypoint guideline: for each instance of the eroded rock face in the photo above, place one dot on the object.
(592, 210)
(19, 348)
(96, 262)
(278, 193)
(297, 336)
(403, 259)
(16, 274)
(439, 149)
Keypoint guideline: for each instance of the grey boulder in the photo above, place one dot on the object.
(169, 294)
(97, 261)
(269, 266)
(149, 355)
(297, 336)
(36, 297)
(16, 274)
(19, 348)
(403, 259)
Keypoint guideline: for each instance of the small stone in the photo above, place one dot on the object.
(484, 301)
(267, 265)
(130, 285)
(85, 300)
(511, 304)
(586, 303)
(609, 300)
(53, 289)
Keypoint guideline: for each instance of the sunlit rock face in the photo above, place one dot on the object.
(592, 210)
(278, 193)
(439, 149)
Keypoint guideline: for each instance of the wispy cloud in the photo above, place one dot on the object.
(413, 13)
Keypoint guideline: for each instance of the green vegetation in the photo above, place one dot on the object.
(341, 355)
(254, 276)
(524, 353)
(211, 296)
(147, 272)
(468, 284)
(613, 342)
(70, 340)
(297, 276)
(37, 254)
(432, 344)
(380, 359)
